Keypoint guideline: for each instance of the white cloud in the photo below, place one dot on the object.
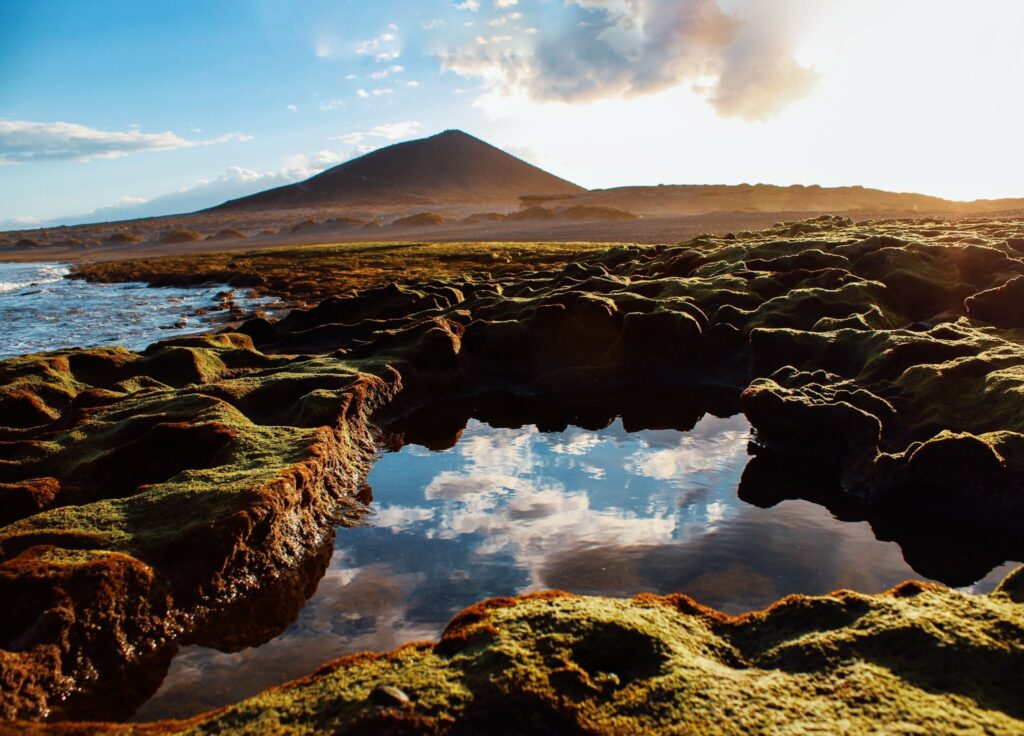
(400, 518)
(389, 132)
(23, 141)
(505, 3)
(473, 5)
(380, 47)
(579, 443)
(21, 222)
(503, 495)
(626, 48)
(329, 105)
(367, 47)
(713, 445)
(234, 182)
(303, 166)
(385, 73)
(292, 108)
(431, 25)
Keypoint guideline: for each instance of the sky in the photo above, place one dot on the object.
(112, 109)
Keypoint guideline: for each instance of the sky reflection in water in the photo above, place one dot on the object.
(508, 511)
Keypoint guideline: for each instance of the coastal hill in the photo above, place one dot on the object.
(447, 168)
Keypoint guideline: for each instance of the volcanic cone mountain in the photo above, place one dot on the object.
(448, 168)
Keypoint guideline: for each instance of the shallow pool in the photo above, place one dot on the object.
(42, 310)
(507, 511)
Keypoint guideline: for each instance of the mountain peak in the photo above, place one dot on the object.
(451, 167)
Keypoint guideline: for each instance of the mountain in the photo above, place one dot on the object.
(449, 168)
(693, 199)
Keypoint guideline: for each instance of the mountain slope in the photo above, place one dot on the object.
(451, 167)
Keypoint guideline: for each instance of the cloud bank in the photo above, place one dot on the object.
(23, 141)
(233, 183)
(626, 48)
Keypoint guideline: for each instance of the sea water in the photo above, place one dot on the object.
(41, 309)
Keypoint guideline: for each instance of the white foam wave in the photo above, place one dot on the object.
(27, 275)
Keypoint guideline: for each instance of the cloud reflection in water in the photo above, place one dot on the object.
(508, 511)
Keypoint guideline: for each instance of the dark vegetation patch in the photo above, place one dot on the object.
(422, 219)
(229, 233)
(313, 273)
(124, 237)
(179, 236)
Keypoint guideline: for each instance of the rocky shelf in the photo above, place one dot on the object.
(186, 494)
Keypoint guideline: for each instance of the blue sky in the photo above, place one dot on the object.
(138, 108)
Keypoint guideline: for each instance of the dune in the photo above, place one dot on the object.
(123, 237)
(228, 233)
(300, 226)
(180, 236)
(481, 217)
(422, 219)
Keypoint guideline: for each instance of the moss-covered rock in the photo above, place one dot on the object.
(146, 493)
(918, 659)
(137, 505)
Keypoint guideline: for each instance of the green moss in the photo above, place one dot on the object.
(920, 659)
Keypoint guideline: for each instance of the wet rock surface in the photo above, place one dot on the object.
(156, 490)
(149, 493)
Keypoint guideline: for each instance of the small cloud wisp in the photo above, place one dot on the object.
(23, 141)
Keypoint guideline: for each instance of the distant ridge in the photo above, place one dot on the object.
(448, 168)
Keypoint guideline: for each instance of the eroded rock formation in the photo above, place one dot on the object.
(146, 494)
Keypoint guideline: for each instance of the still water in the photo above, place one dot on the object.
(508, 511)
(42, 310)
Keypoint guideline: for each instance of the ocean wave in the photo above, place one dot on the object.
(17, 276)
